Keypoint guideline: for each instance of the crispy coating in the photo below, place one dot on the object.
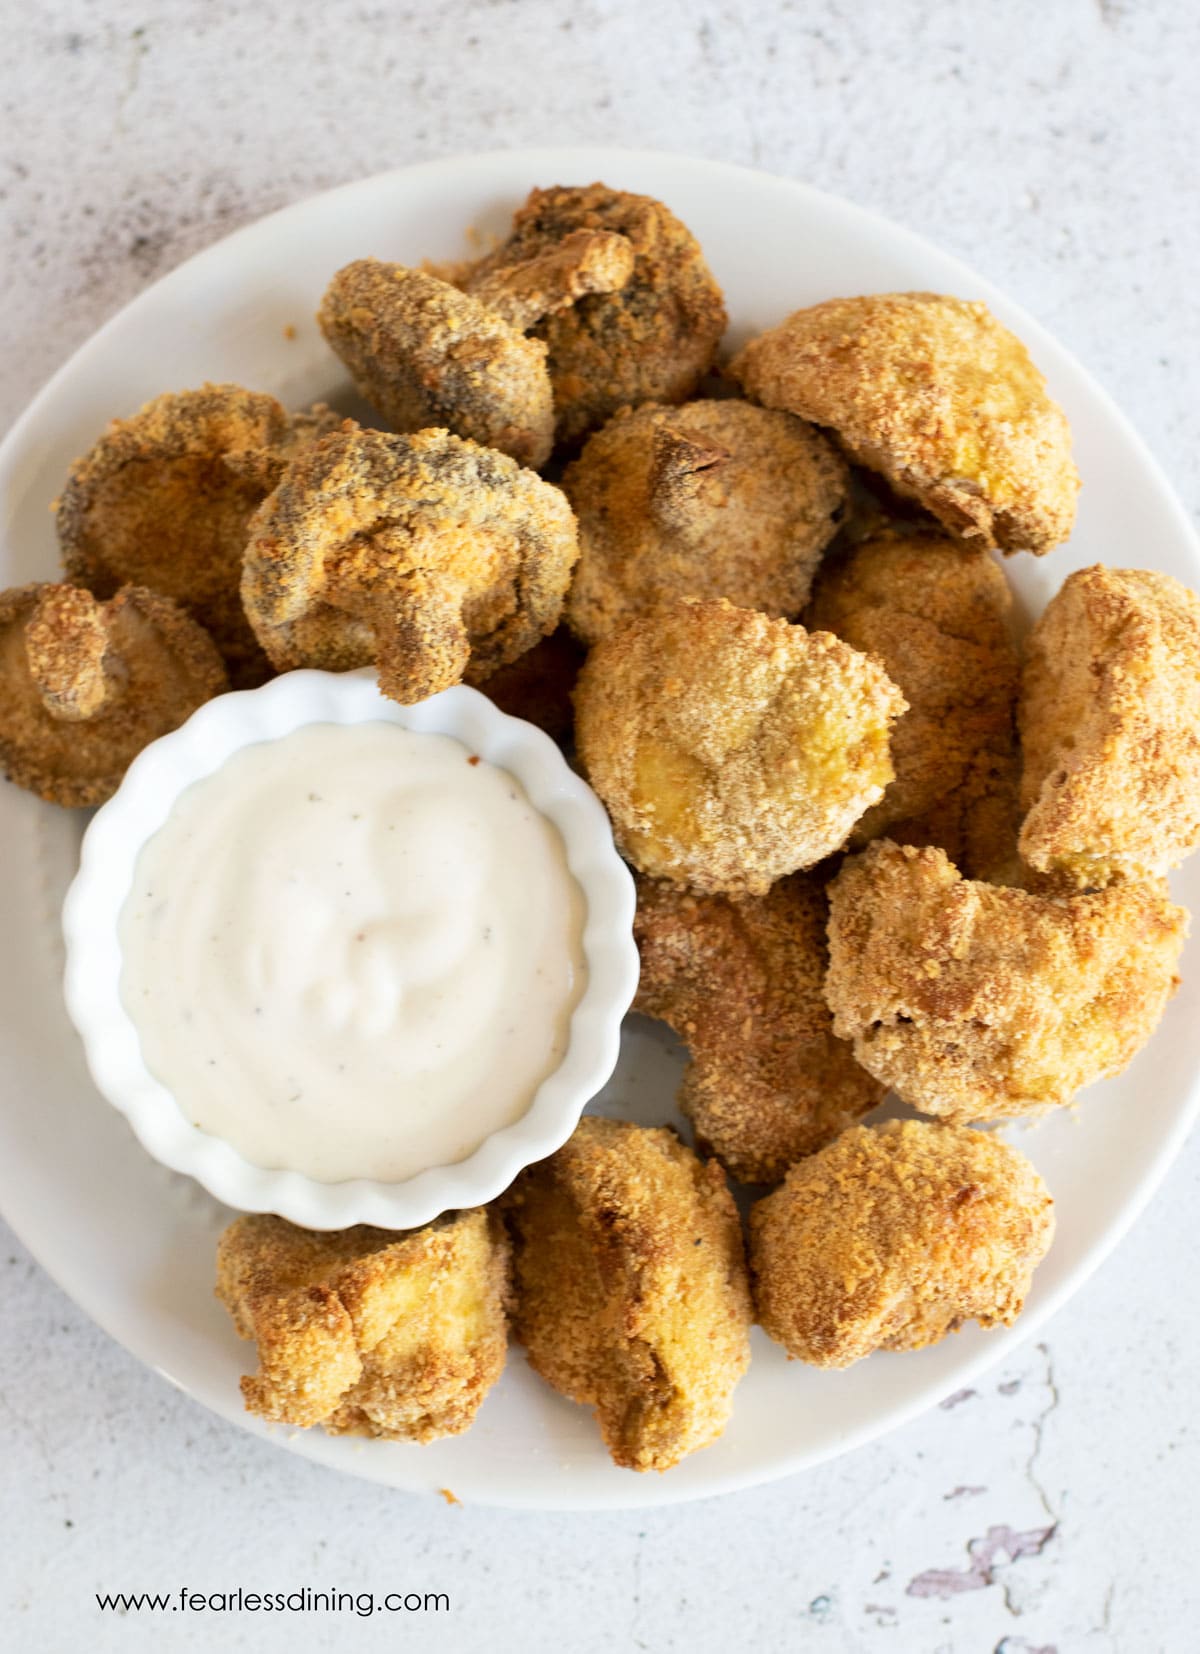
(895, 1235)
(425, 554)
(631, 1289)
(729, 748)
(1110, 728)
(934, 393)
(87, 685)
(939, 618)
(977, 1003)
(265, 467)
(650, 340)
(424, 354)
(714, 499)
(742, 984)
(163, 500)
(365, 1331)
(537, 685)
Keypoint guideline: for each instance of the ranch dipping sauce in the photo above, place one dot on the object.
(353, 951)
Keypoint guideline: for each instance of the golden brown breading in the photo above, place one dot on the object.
(365, 1331)
(424, 354)
(939, 618)
(714, 499)
(87, 685)
(265, 466)
(934, 393)
(537, 685)
(631, 1290)
(1110, 728)
(425, 554)
(742, 983)
(163, 500)
(731, 749)
(895, 1235)
(975, 1002)
(651, 340)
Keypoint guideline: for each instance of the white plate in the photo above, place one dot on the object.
(132, 1243)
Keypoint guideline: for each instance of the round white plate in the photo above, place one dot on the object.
(134, 1244)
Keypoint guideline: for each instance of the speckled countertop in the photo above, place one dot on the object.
(1054, 146)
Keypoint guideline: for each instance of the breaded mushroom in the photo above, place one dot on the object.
(537, 685)
(163, 500)
(729, 748)
(87, 685)
(422, 353)
(979, 1003)
(939, 618)
(631, 1289)
(365, 1331)
(742, 984)
(1110, 728)
(427, 555)
(650, 339)
(894, 1236)
(713, 499)
(937, 396)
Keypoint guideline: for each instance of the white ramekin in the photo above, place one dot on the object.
(140, 806)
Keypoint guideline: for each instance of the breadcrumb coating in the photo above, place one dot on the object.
(1110, 728)
(742, 984)
(713, 499)
(427, 555)
(651, 340)
(934, 393)
(978, 1003)
(423, 354)
(939, 617)
(163, 501)
(87, 685)
(894, 1236)
(365, 1331)
(631, 1288)
(729, 748)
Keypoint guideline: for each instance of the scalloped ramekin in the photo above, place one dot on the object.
(142, 803)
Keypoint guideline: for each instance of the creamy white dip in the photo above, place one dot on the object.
(353, 951)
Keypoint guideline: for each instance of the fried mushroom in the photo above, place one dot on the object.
(895, 1235)
(980, 1003)
(425, 554)
(937, 396)
(650, 339)
(713, 499)
(365, 1331)
(939, 618)
(163, 501)
(741, 983)
(630, 1287)
(729, 748)
(87, 685)
(1110, 728)
(424, 354)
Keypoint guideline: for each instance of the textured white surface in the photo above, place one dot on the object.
(1053, 147)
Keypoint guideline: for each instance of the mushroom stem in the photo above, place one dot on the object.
(422, 644)
(677, 461)
(586, 261)
(65, 645)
